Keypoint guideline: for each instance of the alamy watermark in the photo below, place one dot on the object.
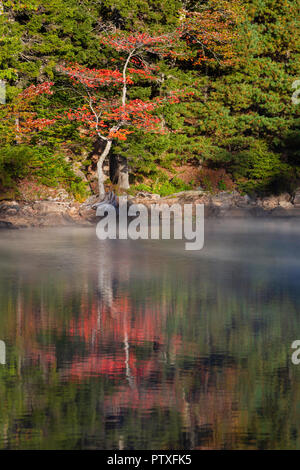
(296, 94)
(296, 353)
(2, 353)
(2, 92)
(137, 221)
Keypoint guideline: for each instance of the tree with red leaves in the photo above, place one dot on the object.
(19, 117)
(107, 112)
(198, 37)
(115, 118)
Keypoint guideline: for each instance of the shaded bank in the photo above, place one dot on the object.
(49, 213)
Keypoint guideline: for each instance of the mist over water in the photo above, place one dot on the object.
(123, 344)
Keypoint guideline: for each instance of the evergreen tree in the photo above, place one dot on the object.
(240, 66)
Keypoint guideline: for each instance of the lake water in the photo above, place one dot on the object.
(143, 345)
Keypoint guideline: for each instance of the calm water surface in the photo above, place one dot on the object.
(143, 345)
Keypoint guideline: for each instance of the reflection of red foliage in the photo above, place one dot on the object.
(124, 328)
(143, 327)
(40, 356)
(97, 365)
(111, 334)
(129, 348)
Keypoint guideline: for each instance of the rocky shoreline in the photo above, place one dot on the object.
(53, 213)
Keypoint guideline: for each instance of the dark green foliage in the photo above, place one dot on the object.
(241, 117)
(163, 186)
(40, 164)
(247, 120)
(14, 164)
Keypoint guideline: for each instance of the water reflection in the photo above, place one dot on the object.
(135, 345)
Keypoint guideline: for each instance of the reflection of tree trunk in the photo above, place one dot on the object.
(188, 419)
(105, 290)
(121, 442)
(105, 287)
(129, 375)
(19, 322)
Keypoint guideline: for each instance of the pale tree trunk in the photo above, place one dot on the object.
(101, 175)
(123, 175)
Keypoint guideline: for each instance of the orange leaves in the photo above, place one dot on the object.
(141, 73)
(35, 90)
(211, 32)
(136, 114)
(39, 124)
(131, 42)
(92, 78)
(205, 35)
(102, 117)
(119, 134)
(26, 118)
(20, 112)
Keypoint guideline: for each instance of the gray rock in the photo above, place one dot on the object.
(7, 225)
(49, 207)
(148, 195)
(284, 197)
(87, 213)
(90, 201)
(286, 204)
(224, 200)
(269, 203)
(55, 220)
(297, 198)
(12, 211)
(189, 194)
(243, 201)
(9, 207)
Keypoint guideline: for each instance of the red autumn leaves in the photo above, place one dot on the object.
(33, 91)
(21, 114)
(199, 37)
(116, 118)
(92, 78)
(132, 42)
(211, 33)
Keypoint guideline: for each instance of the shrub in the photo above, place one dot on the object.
(45, 167)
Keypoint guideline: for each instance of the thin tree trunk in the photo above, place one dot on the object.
(123, 175)
(101, 176)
